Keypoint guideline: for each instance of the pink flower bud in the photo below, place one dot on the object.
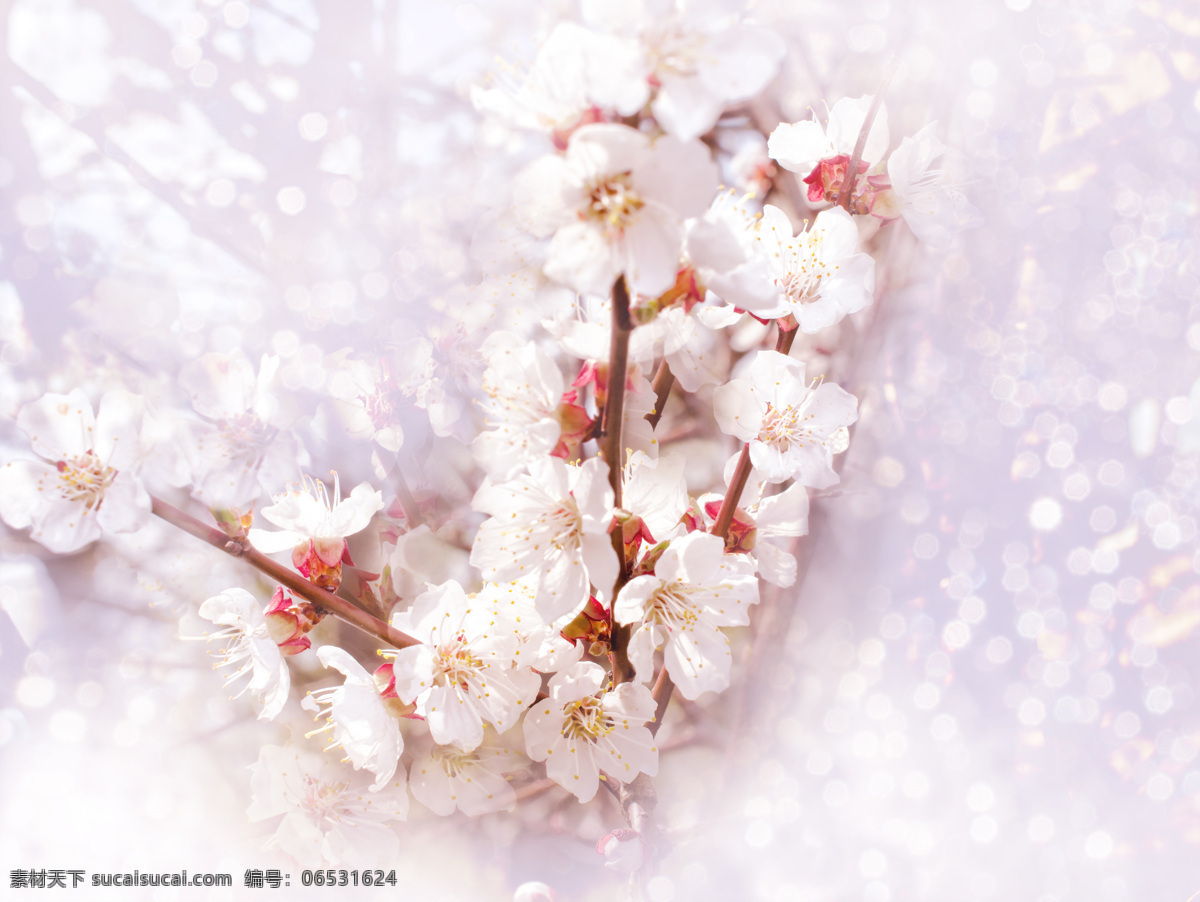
(624, 850)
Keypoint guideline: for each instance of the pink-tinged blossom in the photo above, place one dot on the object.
(800, 146)
(615, 203)
(328, 814)
(931, 204)
(581, 730)
(241, 441)
(695, 590)
(792, 428)
(762, 526)
(552, 524)
(249, 649)
(447, 778)
(463, 673)
(87, 485)
(313, 526)
(358, 717)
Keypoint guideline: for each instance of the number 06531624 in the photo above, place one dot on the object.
(331, 877)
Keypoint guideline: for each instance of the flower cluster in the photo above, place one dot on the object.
(548, 547)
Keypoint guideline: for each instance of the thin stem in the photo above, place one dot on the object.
(614, 403)
(663, 688)
(860, 145)
(240, 548)
(663, 380)
(741, 475)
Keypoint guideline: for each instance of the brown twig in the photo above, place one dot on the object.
(241, 548)
(614, 402)
(664, 379)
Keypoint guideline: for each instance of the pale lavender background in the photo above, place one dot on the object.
(972, 696)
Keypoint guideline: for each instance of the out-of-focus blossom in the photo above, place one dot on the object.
(463, 673)
(624, 850)
(329, 815)
(368, 400)
(446, 778)
(358, 717)
(581, 730)
(615, 203)
(249, 649)
(242, 441)
(699, 58)
(534, 892)
(792, 428)
(553, 523)
(931, 204)
(577, 75)
(695, 590)
(89, 486)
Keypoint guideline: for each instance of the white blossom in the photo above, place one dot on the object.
(89, 485)
(931, 204)
(581, 729)
(328, 814)
(799, 146)
(792, 428)
(358, 717)
(446, 778)
(615, 203)
(553, 523)
(463, 673)
(249, 649)
(695, 590)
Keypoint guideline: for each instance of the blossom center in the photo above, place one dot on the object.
(324, 801)
(85, 478)
(586, 720)
(612, 202)
(785, 426)
(671, 607)
(453, 761)
(456, 663)
(246, 434)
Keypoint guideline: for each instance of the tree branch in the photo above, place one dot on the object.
(240, 548)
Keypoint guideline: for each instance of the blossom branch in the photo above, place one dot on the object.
(241, 548)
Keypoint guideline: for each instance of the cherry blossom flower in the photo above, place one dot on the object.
(524, 390)
(89, 486)
(577, 74)
(463, 673)
(359, 719)
(800, 146)
(329, 816)
(615, 203)
(819, 275)
(699, 58)
(932, 206)
(446, 778)
(241, 440)
(695, 590)
(249, 649)
(792, 428)
(759, 524)
(552, 523)
(368, 399)
(314, 526)
(581, 730)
